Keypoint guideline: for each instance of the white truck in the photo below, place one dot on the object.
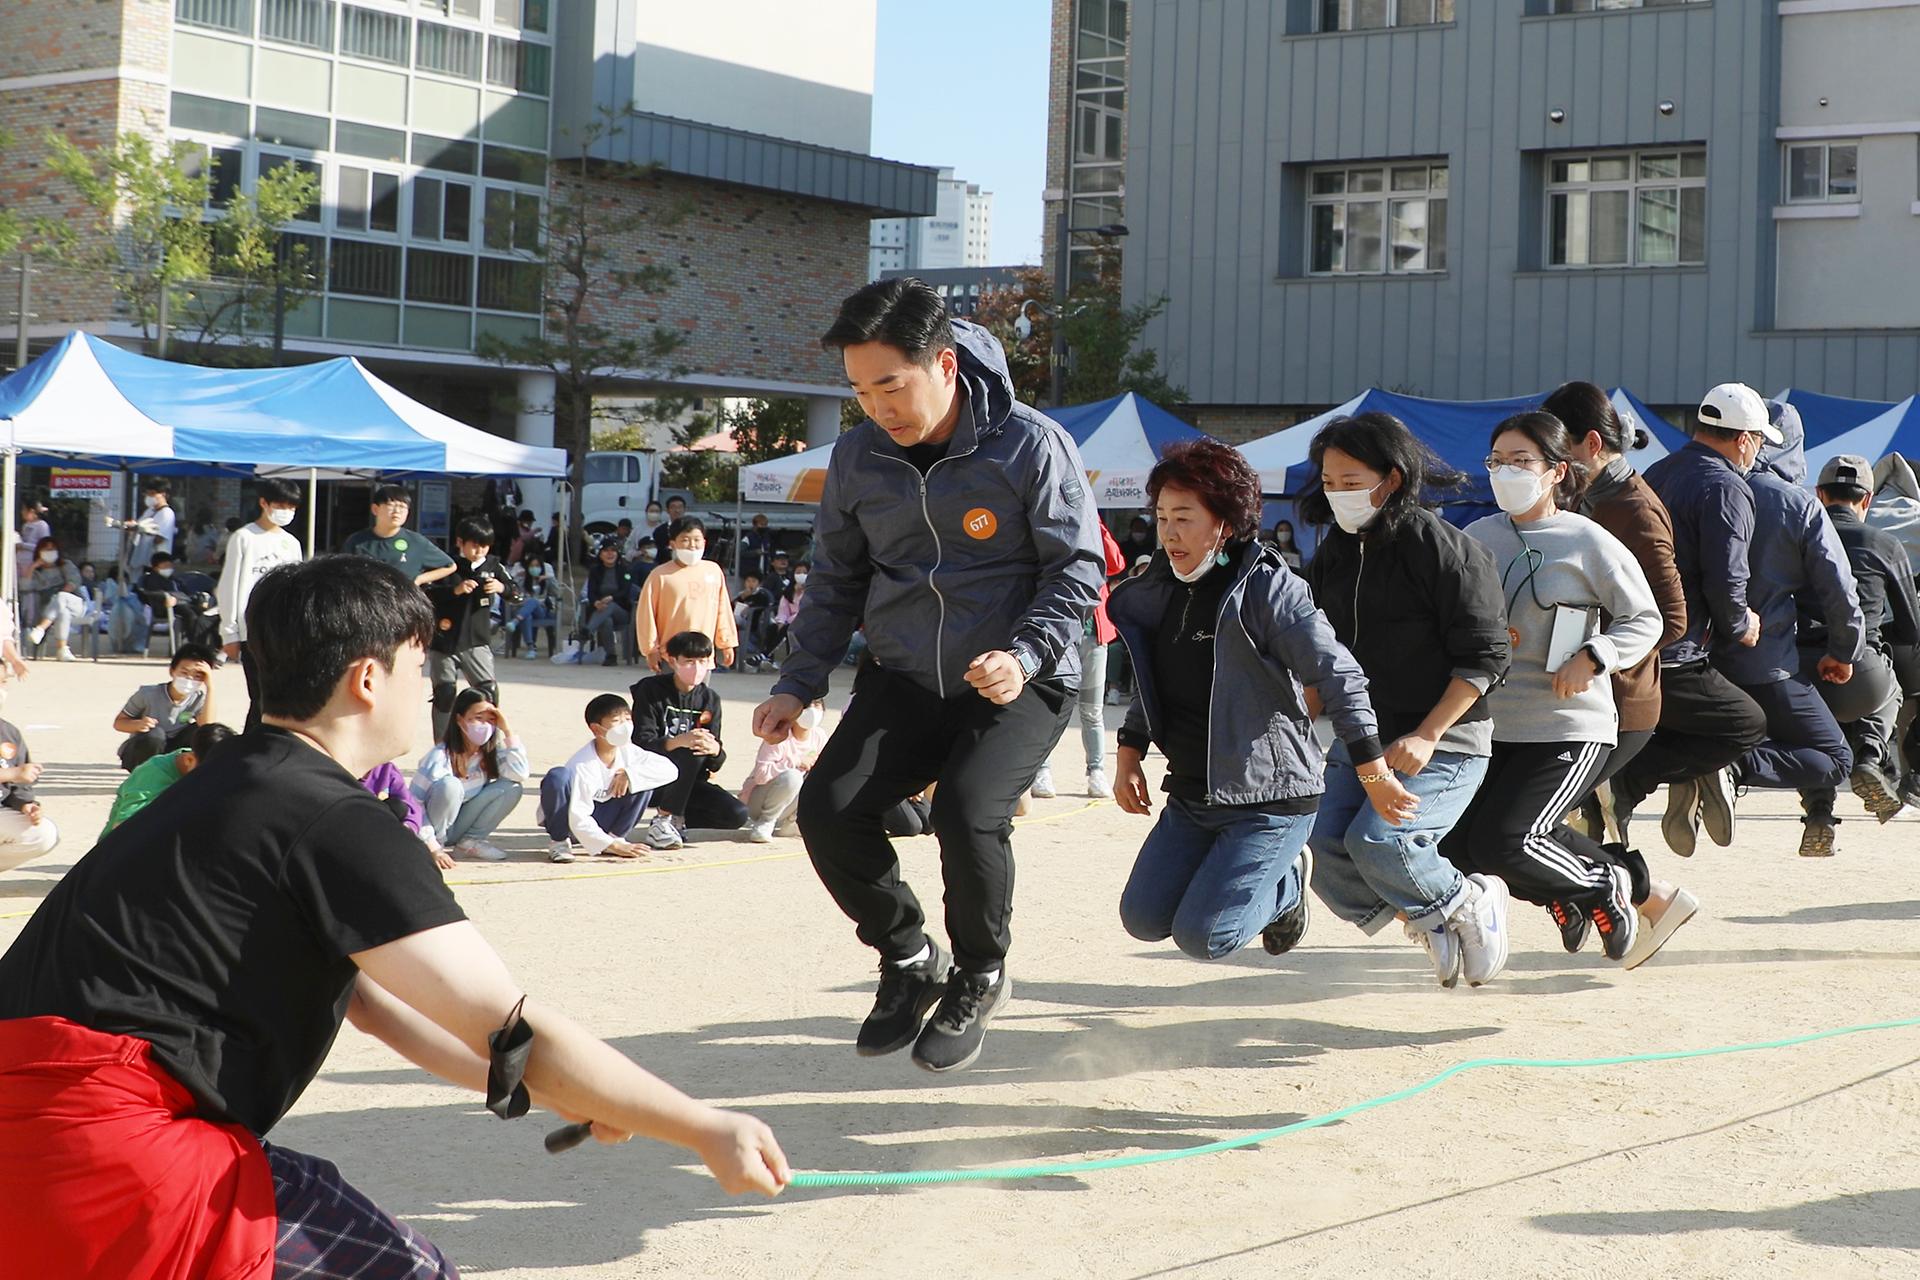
(619, 484)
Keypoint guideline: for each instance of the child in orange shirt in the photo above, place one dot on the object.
(689, 593)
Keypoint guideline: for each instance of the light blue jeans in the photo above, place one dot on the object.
(1367, 871)
(456, 816)
(1211, 877)
(1093, 701)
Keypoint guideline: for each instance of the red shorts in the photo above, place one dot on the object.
(105, 1173)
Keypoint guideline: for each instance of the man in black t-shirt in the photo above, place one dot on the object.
(182, 985)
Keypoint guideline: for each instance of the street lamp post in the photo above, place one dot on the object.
(1062, 246)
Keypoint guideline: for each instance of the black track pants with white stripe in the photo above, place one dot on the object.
(1515, 827)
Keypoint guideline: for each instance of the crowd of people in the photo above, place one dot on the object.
(1419, 725)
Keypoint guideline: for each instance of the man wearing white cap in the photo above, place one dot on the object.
(1706, 723)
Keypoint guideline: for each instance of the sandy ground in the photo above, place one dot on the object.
(728, 971)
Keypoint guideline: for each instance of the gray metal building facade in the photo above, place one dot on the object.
(1234, 103)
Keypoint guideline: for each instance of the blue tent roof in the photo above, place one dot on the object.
(1159, 428)
(1119, 441)
(1825, 417)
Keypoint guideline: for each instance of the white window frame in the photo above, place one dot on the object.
(1825, 146)
(440, 241)
(1633, 185)
(1437, 187)
(1442, 11)
(1561, 8)
(258, 151)
(403, 212)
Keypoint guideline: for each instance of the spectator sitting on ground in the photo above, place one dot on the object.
(772, 790)
(389, 787)
(25, 832)
(157, 773)
(471, 781)
(600, 795)
(677, 714)
(161, 717)
(752, 613)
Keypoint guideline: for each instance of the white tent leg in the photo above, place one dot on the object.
(739, 535)
(8, 478)
(313, 501)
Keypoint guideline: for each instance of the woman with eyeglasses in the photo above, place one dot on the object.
(1578, 608)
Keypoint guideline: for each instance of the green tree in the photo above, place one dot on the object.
(13, 228)
(763, 429)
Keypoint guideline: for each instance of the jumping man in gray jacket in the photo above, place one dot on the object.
(956, 529)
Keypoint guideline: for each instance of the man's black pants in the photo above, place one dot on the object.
(1706, 723)
(896, 738)
(251, 670)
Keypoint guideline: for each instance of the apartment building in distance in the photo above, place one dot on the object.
(959, 233)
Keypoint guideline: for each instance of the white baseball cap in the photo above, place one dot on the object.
(1735, 406)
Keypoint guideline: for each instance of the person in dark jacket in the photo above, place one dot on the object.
(1620, 501)
(1219, 610)
(1706, 722)
(606, 602)
(1796, 556)
(1867, 705)
(1418, 605)
(676, 714)
(955, 524)
(463, 604)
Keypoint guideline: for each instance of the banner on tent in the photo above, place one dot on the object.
(1122, 489)
(93, 486)
(758, 486)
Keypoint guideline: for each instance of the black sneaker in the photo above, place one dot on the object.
(957, 1032)
(1575, 926)
(900, 1005)
(1284, 931)
(1614, 915)
(1877, 792)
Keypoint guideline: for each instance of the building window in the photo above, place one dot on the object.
(374, 35)
(1381, 219)
(208, 115)
(216, 15)
(442, 210)
(447, 155)
(445, 279)
(1818, 172)
(370, 142)
(504, 164)
(1370, 15)
(526, 15)
(306, 254)
(1602, 6)
(1627, 209)
(267, 162)
(510, 220)
(223, 167)
(367, 201)
(524, 68)
(290, 129)
(448, 51)
(364, 270)
(308, 23)
(506, 285)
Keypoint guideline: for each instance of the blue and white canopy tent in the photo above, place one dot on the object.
(1456, 430)
(1119, 440)
(87, 399)
(1870, 428)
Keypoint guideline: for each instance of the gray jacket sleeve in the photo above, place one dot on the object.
(1902, 622)
(1726, 536)
(1298, 634)
(836, 596)
(1824, 561)
(1066, 538)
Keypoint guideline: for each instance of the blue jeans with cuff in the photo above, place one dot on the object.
(1367, 871)
(1211, 877)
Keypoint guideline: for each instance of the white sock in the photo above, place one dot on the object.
(991, 975)
(920, 956)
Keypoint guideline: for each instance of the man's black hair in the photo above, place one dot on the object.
(526, 514)
(275, 490)
(159, 558)
(677, 498)
(1847, 493)
(690, 644)
(626, 522)
(192, 653)
(307, 623)
(599, 708)
(475, 530)
(385, 493)
(686, 524)
(205, 738)
(157, 484)
(905, 313)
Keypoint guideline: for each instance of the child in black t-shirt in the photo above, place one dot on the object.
(463, 607)
(677, 714)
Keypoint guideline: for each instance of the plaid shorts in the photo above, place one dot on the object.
(330, 1231)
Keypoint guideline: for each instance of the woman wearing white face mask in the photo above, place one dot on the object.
(1222, 636)
(689, 593)
(1578, 608)
(473, 779)
(1417, 602)
(55, 583)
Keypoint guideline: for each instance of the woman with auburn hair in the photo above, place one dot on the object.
(1232, 661)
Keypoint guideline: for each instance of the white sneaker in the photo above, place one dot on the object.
(482, 850)
(759, 832)
(1442, 949)
(1480, 925)
(560, 851)
(788, 830)
(1098, 785)
(66, 654)
(36, 634)
(1043, 783)
(661, 834)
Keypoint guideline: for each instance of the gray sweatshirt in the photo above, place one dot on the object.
(1584, 566)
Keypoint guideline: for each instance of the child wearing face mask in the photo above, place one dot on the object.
(688, 593)
(463, 604)
(677, 714)
(598, 798)
(254, 550)
(473, 779)
(159, 718)
(772, 791)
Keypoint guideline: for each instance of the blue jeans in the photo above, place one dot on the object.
(615, 817)
(456, 816)
(1367, 871)
(534, 614)
(1093, 701)
(1211, 877)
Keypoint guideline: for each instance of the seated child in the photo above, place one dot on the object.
(677, 714)
(156, 773)
(752, 614)
(599, 796)
(161, 717)
(389, 787)
(25, 832)
(772, 791)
